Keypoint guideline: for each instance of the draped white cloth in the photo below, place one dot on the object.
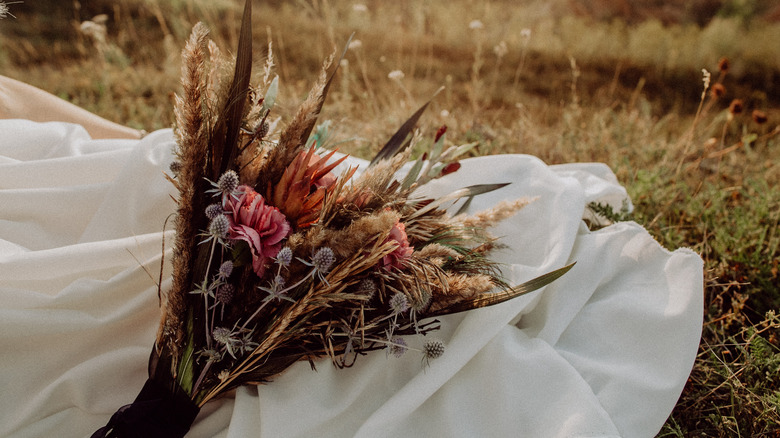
(602, 352)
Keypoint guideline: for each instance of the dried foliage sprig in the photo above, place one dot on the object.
(278, 260)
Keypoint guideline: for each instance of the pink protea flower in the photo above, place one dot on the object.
(403, 251)
(262, 226)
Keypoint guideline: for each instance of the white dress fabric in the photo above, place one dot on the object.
(604, 351)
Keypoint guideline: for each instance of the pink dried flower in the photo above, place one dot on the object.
(262, 226)
(402, 251)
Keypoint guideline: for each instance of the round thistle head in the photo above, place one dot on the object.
(222, 335)
(219, 226)
(399, 303)
(225, 293)
(367, 287)
(420, 304)
(278, 283)
(175, 167)
(228, 182)
(225, 269)
(284, 257)
(214, 210)
(433, 349)
(323, 259)
(398, 347)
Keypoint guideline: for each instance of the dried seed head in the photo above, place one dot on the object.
(214, 210)
(718, 90)
(225, 293)
(399, 303)
(175, 167)
(228, 181)
(433, 349)
(284, 257)
(367, 287)
(222, 335)
(219, 226)
(736, 106)
(759, 117)
(225, 269)
(723, 64)
(261, 129)
(323, 259)
(398, 347)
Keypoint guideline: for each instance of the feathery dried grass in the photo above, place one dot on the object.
(190, 150)
(492, 216)
(292, 140)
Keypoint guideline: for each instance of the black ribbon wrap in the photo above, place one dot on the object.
(156, 412)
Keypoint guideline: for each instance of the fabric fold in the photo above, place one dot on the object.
(603, 351)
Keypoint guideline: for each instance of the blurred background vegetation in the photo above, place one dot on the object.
(615, 81)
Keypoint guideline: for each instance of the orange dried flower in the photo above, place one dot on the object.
(300, 192)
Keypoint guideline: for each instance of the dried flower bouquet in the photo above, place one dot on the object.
(278, 260)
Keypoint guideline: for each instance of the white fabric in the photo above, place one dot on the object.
(602, 352)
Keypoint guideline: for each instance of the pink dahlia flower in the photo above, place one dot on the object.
(403, 251)
(262, 226)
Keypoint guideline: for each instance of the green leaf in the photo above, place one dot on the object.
(414, 172)
(186, 372)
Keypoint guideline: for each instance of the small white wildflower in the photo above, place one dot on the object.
(444, 114)
(396, 75)
(355, 45)
(359, 7)
(501, 49)
(525, 33)
(94, 30)
(476, 25)
(4, 11)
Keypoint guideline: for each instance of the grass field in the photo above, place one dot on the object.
(520, 78)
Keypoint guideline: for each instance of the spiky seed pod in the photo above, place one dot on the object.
(225, 293)
(225, 269)
(228, 182)
(323, 259)
(433, 349)
(398, 347)
(214, 210)
(399, 303)
(284, 257)
(219, 226)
